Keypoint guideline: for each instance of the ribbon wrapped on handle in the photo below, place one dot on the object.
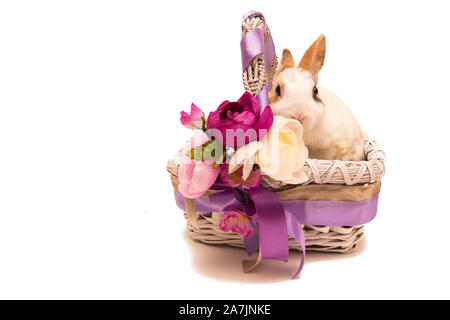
(254, 43)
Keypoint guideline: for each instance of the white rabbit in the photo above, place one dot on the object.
(330, 129)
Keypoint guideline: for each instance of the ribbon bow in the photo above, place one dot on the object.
(273, 227)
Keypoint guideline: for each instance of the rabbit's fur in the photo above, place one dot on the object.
(330, 129)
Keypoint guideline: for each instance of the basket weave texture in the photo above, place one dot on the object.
(318, 238)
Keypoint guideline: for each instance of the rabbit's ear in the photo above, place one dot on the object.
(313, 58)
(287, 61)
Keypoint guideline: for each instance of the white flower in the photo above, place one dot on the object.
(280, 154)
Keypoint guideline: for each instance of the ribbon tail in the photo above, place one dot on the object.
(249, 265)
(189, 205)
(252, 242)
(295, 230)
(273, 235)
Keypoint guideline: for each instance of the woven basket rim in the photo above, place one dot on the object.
(327, 171)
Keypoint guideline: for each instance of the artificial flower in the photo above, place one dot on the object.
(236, 178)
(236, 221)
(280, 154)
(196, 176)
(194, 119)
(240, 122)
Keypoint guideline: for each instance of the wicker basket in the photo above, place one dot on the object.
(327, 180)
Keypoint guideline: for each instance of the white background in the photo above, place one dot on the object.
(90, 94)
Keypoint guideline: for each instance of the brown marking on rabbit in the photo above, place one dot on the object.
(330, 129)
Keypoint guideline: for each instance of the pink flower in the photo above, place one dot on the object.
(194, 119)
(237, 222)
(239, 178)
(240, 122)
(196, 176)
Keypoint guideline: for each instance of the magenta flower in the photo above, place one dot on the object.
(239, 178)
(236, 221)
(240, 122)
(194, 119)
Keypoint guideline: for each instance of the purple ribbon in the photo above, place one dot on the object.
(253, 44)
(272, 225)
(277, 219)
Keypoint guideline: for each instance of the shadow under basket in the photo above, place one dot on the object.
(328, 181)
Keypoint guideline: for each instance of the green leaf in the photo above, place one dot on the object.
(207, 151)
(219, 160)
(196, 153)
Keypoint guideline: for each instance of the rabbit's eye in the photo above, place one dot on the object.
(278, 91)
(315, 92)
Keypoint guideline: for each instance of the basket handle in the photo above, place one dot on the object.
(259, 60)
